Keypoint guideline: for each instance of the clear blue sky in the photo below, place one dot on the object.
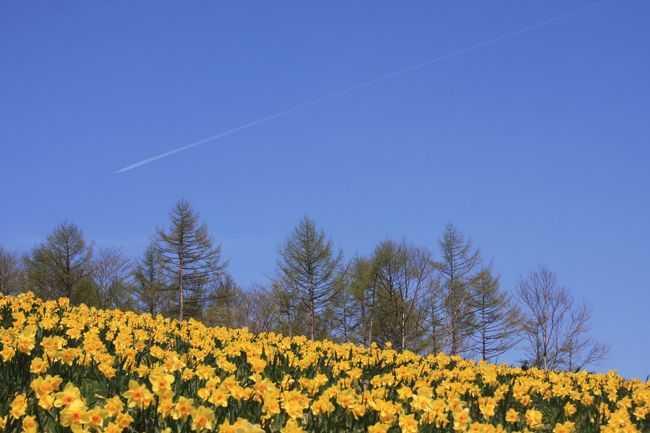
(535, 146)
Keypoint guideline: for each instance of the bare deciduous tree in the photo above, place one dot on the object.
(110, 274)
(436, 320)
(289, 312)
(261, 308)
(227, 306)
(580, 349)
(12, 272)
(151, 284)
(344, 315)
(555, 328)
(362, 286)
(403, 275)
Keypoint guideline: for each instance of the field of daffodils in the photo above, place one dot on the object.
(79, 369)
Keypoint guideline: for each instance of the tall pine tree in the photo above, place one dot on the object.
(498, 320)
(62, 265)
(457, 266)
(190, 260)
(307, 267)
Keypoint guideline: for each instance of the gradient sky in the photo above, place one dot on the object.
(536, 146)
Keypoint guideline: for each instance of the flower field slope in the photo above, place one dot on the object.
(81, 369)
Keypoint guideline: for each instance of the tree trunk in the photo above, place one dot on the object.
(181, 262)
(180, 287)
(483, 330)
(312, 313)
(403, 330)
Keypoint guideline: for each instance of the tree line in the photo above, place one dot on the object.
(400, 295)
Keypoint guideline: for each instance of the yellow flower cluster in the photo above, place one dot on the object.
(80, 369)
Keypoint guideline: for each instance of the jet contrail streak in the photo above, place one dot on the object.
(360, 86)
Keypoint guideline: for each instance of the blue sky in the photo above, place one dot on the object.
(535, 146)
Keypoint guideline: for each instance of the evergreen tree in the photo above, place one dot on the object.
(62, 265)
(306, 269)
(191, 262)
(498, 321)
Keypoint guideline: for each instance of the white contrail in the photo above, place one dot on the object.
(361, 86)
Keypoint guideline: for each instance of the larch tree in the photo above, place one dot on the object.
(62, 265)
(457, 265)
(498, 320)
(307, 267)
(190, 260)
